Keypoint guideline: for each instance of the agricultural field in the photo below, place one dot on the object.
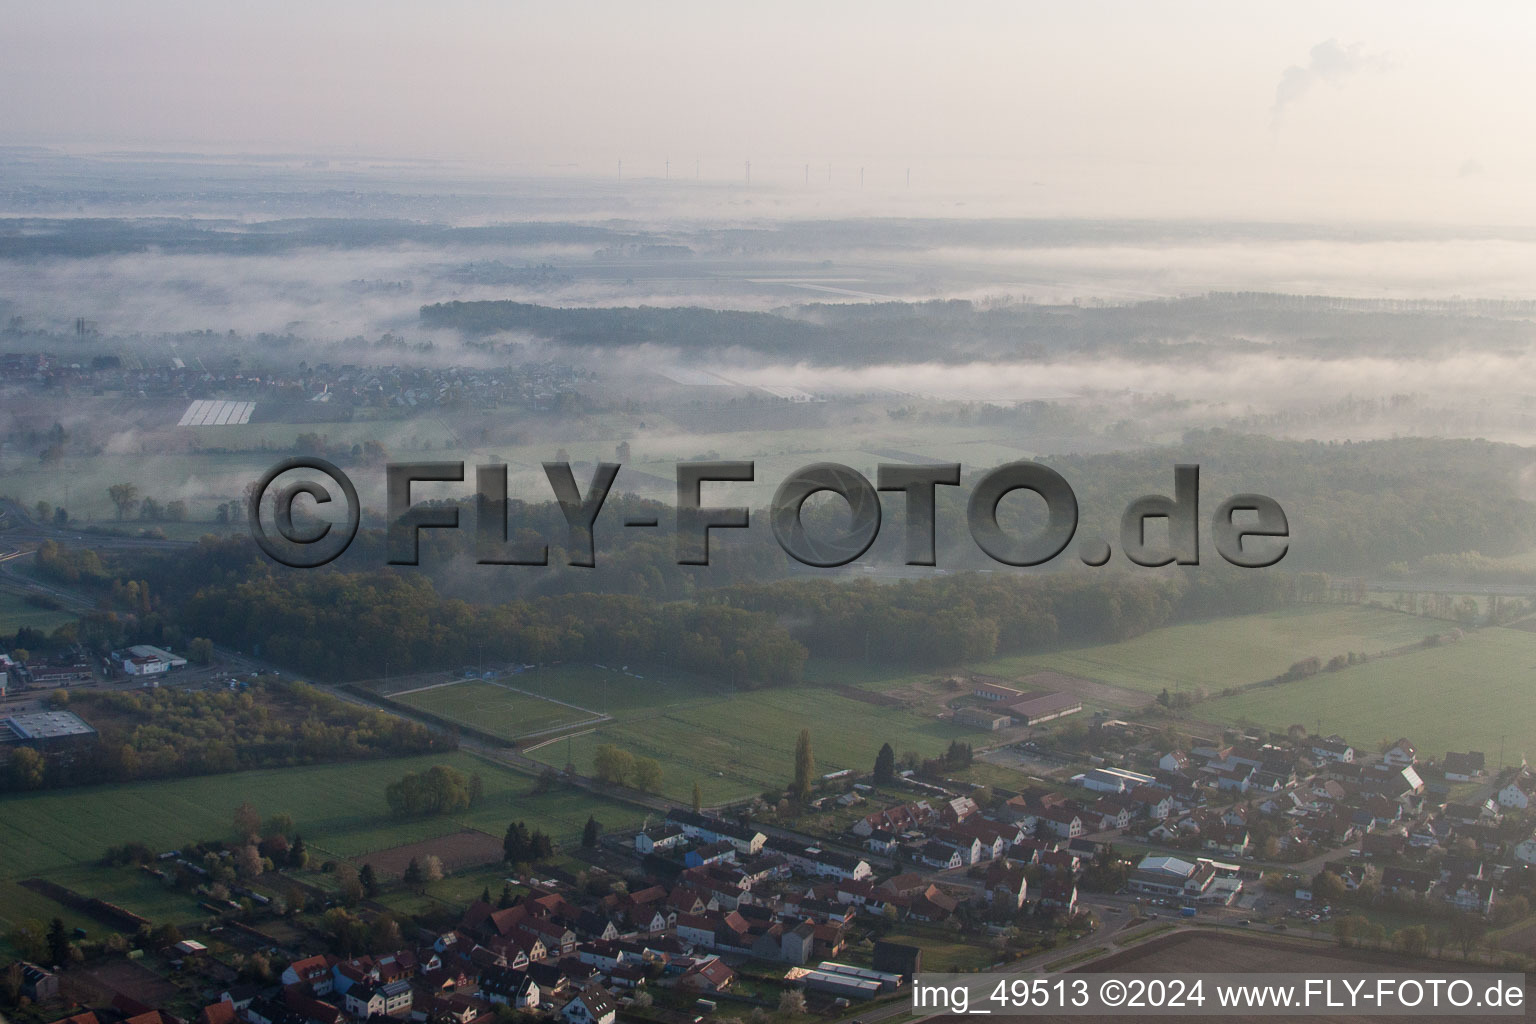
(495, 708)
(339, 809)
(1228, 652)
(1188, 952)
(879, 678)
(131, 888)
(1469, 695)
(737, 745)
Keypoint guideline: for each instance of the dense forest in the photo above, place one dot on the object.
(957, 331)
(27, 238)
(342, 625)
(362, 625)
(753, 616)
(974, 616)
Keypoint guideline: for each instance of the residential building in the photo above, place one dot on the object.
(1458, 767)
(591, 1005)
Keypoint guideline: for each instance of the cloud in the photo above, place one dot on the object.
(1328, 62)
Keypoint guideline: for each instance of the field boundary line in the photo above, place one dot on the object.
(565, 704)
(424, 689)
(556, 739)
(590, 725)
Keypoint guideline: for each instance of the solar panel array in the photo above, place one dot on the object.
(208, 413)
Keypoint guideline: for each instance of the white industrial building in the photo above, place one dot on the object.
(144, 660)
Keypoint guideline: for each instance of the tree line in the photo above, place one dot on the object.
(171, 732)
(358, 625)
(366, 625)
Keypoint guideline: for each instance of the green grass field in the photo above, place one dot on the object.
(610, 691)
(339, 809)
(1468, 695)
(16, 611)
(494, 708)
(1229, 652)
(737, 745)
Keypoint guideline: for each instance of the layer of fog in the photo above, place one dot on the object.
(326, 295)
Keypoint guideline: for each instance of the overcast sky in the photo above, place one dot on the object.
(1288, 110)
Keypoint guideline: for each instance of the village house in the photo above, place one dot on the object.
(969, 847)
(1401, 754)
(1518, 792)
(591, 1005)
(1006, 884)
(510, 987)
(372, 999)
(1175, 761)
(931, 904)
(313, 971)
(1231, 840)
(1154, 803)
(1059, 894)
(1107, 814)
(38, 984)
(702, 828)
(1472, 895)
(1332, 749)
(660, 837)
(1060, 822)
(706, 976)
(1466, 767)
(795, 944)
(898, 819)
(940, 855)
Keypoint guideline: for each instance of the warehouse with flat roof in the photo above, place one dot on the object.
(44, 728)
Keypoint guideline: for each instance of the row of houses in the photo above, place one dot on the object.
(1323, 793)
(1466, 884)
(698, 840)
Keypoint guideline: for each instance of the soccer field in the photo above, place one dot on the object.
(739, 744)
(610, 691)
(495, 708)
